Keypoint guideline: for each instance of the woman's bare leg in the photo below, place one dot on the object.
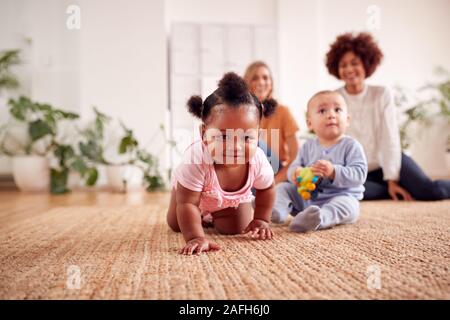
(172, 212)
(231, 220)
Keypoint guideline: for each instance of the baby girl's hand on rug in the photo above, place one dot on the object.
(199, 245)
(259, 229)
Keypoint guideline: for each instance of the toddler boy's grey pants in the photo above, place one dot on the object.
(340, 209)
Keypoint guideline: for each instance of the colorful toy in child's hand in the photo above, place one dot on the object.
(306, 182)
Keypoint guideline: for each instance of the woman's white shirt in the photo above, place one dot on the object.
(374, 124)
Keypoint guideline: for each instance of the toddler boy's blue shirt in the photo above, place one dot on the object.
(350, 166)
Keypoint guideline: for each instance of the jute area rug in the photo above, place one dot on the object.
(394, 251)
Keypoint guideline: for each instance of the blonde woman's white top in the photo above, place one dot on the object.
(374, 124)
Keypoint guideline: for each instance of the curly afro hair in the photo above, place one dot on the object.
(363, 45)
(233, 92)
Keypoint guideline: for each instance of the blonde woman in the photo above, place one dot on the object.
(260, 82)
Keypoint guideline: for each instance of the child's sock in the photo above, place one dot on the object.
(307, 220)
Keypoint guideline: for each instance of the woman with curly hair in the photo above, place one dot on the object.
(392, 174)
(281, 125)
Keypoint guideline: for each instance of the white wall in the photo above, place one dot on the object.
(117, 61)
(218, 11)
(123, 58)
(49, 49)
(299, 54)
(50, 68)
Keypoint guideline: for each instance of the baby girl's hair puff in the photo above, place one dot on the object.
(195, 106)
(232, 91)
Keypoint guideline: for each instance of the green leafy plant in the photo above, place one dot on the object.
(435, 103)
(93, 149)
(141, 159)
(41, 123)
(69, 159)
(8, 58)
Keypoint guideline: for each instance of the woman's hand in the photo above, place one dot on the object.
(199, 245)
(259, 229)
(394, 189)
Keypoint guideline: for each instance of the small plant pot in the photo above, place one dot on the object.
(124, 178)
(31, 173)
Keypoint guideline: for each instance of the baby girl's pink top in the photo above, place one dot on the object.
(196, 173)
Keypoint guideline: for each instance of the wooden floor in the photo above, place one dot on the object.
(15, 205)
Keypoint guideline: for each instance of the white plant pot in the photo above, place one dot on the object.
(31, 173)
(124, 178)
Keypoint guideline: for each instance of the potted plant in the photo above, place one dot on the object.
(69, 168)
(30, 137)
(128, 166)
(432, 105)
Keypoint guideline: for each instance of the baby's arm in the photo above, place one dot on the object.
(190, 222)
(259, 226)
(354, 172)
(351, 174)
(264, 202)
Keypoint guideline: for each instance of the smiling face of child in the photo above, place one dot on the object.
(231, 134)
(327, 116)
